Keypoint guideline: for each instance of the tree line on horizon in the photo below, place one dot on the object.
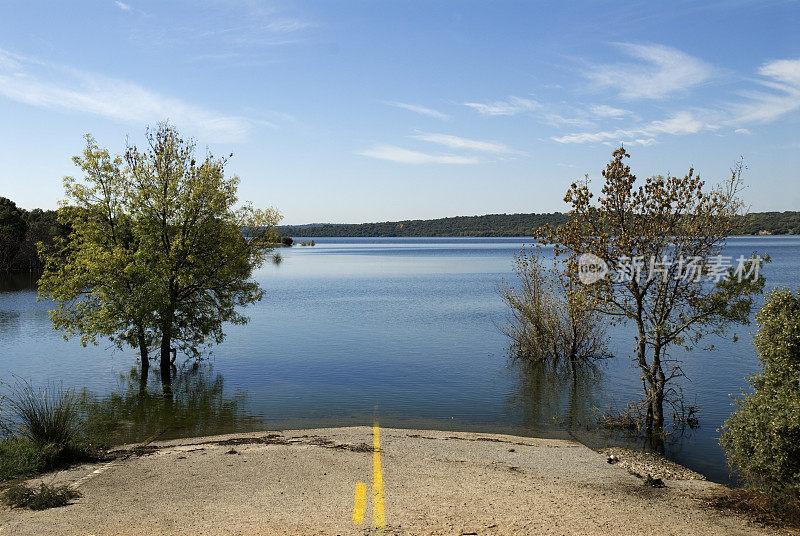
(510, 225)
(21, 229)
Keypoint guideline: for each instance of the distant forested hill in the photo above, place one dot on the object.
(779, 223)
(508, 225)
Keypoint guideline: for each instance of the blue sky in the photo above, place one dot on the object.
(372, 111)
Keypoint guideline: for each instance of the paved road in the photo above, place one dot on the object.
(334, 481)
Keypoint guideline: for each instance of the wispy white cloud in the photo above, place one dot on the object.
(783, 78)
(56, 87)
(393, 153)
(240, 26)
(557, 120)
(456, 142)
(422, 110)
(679, 123)
(662, 71)
(511, 106)
(779, 97)
(604, 111)
(122, 5)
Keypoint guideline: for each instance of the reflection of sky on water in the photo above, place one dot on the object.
(407, 325)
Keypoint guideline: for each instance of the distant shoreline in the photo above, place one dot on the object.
(507, 226)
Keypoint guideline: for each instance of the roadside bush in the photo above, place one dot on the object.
(762, 437)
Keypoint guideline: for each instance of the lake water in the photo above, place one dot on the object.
(403, 329)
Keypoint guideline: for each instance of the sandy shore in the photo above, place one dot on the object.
(305, 482)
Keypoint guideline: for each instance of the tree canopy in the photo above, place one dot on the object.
(158, 251)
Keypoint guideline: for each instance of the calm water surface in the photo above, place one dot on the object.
(405, 329)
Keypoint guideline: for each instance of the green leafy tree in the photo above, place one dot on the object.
(158, 253)
(198, 248)
(667, 232)
(762, 438)
(98, 283)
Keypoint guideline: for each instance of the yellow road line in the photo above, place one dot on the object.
(360, 503)
(378, 507)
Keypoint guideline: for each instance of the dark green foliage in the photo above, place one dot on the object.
(762, 438)
(511, 225)
(12, 232)
(20, 230)
(777, 223)
(489, 225)
(18, 495)
(287, 241)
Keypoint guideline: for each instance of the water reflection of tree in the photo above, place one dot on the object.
(196, 405)
(561, 396)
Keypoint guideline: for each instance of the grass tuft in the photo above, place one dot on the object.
(45, 416)
(19, 495)
(43, 430)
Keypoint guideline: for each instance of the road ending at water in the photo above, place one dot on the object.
(302, 481)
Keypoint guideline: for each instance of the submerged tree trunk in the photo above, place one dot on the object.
(653, 378)
(657, 393)
(144, 356)
(166, 359)
(166, 352)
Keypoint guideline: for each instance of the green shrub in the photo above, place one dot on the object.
(287, 241)
(18, 495)
(762, 437)
(21, 458)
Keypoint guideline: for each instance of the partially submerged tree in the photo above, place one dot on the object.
(551, 319)
(159, 253)
(94, 276)
(662, 242)
(199, 249)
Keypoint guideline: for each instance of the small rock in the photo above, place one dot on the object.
(232, 451)
(653, 482)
